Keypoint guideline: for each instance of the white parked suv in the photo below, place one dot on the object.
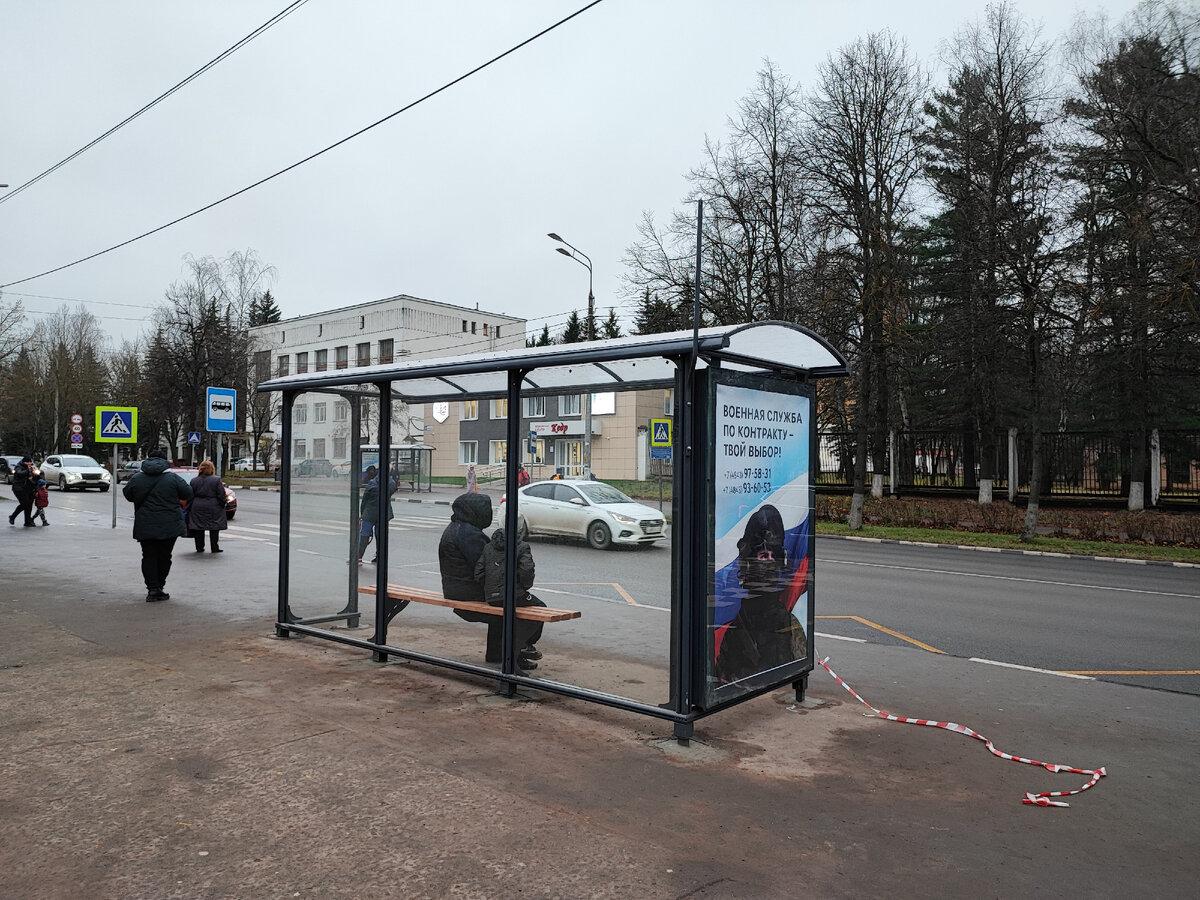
(70, 472)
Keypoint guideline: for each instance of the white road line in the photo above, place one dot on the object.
(838, 637)
(1093, 587)
(1004, 665)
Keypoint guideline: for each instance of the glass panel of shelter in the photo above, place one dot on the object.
(591, 554)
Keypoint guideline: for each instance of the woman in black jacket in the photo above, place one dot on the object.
(156, 495)
(206, 512)
(25, 477)
(489, 572)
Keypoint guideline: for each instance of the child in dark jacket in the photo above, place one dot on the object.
(489, 572)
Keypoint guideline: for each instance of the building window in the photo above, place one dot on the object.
(466, 453)
(300, 414)
(464, 321)
(535, 407)
(341, 411)
(497, 331)
(385, 350)
(485, 329)
(262, 365)
(318, 415)
(319, 448)
(301, 363)
(669, 403)
(299, 452)
(322, 360)
(473, 324)
(499, 451)
(570, 404)
(538, 457)
(281, 367)
(339, 448)
(342, 356)
(469, 410)
(364, 354)
(500, 409)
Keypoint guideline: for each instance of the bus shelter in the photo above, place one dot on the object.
(724, 604)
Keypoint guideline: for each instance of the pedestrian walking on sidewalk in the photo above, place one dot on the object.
(206, 511)
(157, 496)
(472, 481)
(24, 485)
(368, 510)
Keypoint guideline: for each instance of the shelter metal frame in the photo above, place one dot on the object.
(647, 361)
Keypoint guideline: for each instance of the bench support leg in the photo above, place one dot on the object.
(683, 732)
(800, 686)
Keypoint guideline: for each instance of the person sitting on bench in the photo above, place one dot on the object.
(459, 550)
(489, 572)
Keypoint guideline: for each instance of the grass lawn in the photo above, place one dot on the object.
(1126, 550)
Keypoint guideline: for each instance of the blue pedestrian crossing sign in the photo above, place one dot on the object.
(116, 424)
(660, 433)
(222, 409)
(193, 437)
(660, 439)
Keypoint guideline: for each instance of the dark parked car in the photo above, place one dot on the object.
(7, 464)
(312, 467)
(127, 470)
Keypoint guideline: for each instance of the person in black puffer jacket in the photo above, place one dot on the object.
(156, 495)
(489, 571)
(459, 550)
(24, 486)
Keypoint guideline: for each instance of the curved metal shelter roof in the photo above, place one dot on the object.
(626, 363)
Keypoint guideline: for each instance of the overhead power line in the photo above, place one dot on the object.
(311, 157)
(275, 19)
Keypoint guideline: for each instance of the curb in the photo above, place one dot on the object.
(1009, 550)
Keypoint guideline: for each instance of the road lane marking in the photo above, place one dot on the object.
(1131, 671)
(839, 637)
(1094, 587)
(886, 630)
(1004, 665)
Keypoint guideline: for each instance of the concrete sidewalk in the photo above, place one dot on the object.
(169, 750)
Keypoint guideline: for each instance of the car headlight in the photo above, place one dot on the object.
(623, 519)
(72, 476)
(106, 477)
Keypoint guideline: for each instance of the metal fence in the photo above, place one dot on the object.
(1081, 464)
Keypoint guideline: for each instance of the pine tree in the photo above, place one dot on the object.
(264, 310)
(611, 327)
(573, 333)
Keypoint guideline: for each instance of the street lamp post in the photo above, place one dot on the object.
(575, 253)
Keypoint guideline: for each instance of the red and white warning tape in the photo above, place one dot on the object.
(1042, 799)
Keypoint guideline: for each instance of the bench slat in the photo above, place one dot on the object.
(417, 595)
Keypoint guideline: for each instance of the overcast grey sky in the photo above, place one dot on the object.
(577, 133)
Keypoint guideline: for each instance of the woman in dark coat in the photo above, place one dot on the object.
(24, 486)
(206, 512)
(156, 494)
(489, 572)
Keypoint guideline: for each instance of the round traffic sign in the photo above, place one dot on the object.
(77, 439)
(76, 429)
(77, 419)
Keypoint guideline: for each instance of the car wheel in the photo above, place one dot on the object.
(62, 483)
(230, 515)
(104, 488)
(598, 536)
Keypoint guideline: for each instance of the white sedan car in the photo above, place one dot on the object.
(70, 472)
(592, 510)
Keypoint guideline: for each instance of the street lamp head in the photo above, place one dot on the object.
(562, 251)
(550, 235)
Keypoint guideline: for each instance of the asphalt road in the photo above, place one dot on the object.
(1135, 624)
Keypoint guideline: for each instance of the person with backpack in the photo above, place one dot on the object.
(24, 487)
(41, 499)
(489, 572)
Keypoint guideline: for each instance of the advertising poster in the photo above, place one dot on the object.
(760, 598)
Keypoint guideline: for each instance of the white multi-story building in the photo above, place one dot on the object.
(382, 331)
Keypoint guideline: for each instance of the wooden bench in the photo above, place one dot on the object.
(400, 596)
